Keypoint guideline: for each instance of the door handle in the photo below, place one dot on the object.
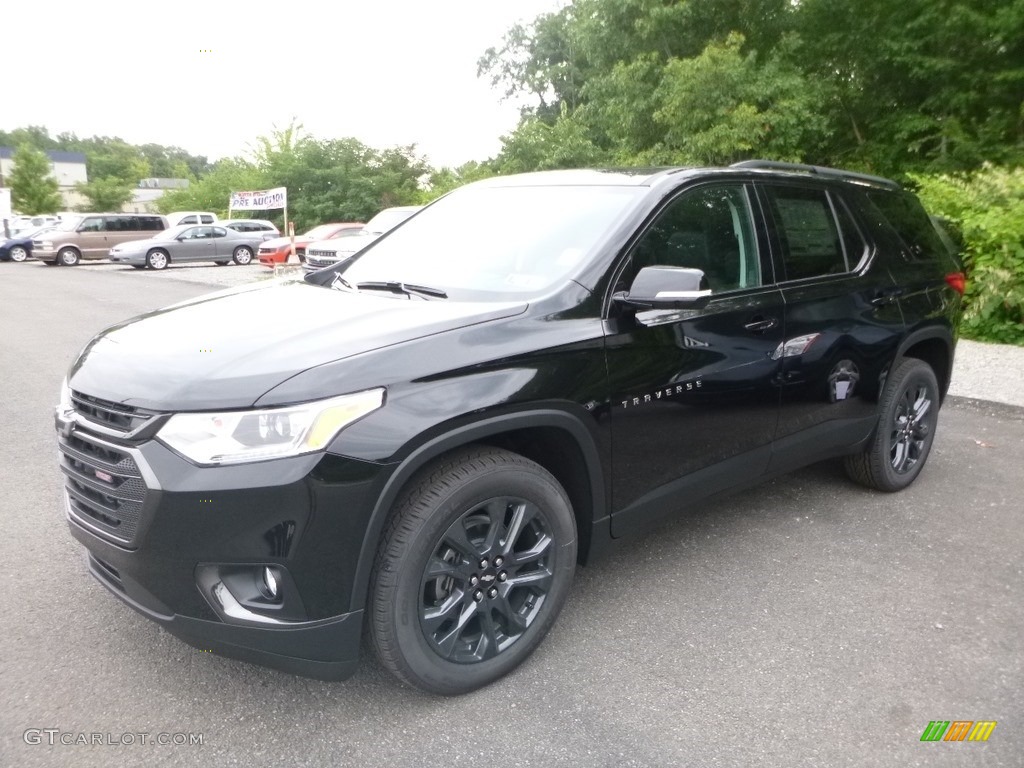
(759, 324)
(886, 295)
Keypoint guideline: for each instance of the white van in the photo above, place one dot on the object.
(190, 217)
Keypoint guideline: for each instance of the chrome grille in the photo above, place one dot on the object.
(104, 484)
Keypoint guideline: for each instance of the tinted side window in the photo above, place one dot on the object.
(189, 220)
(92, 224)
(907, 216)
(151, 223)
(206, 219)
(707, 228)
(216, 231)
(807, 231)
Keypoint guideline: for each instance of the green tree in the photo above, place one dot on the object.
(536, 145)
(33, 188)
(106, 194)
(988, 208)
(723, 105)
(213, 191)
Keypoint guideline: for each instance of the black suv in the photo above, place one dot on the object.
(492, 393)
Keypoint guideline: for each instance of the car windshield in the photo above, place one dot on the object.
(387, 219)
(172, 232)
(496, 243)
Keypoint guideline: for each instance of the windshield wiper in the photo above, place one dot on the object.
(406, 289)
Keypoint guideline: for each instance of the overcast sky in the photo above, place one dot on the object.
(387, 72)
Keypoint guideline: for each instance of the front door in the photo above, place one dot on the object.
(694, 393)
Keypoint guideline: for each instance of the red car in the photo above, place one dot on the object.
(276, 251)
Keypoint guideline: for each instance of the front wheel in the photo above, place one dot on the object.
(242, 255)
(157, 259)
(472, 570)
(68, 257)
(19, 253)
(908, 416)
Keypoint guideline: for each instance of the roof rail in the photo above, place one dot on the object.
(820, 170)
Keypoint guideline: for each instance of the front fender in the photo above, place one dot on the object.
(418, 455)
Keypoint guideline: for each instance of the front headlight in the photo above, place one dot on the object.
(65, 403)
(235, 437)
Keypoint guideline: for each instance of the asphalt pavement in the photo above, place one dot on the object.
(805, 622)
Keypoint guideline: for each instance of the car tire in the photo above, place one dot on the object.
(158, 258)
(18, 253)
(908, 412)
(474, 566)
(221, 263)
(242, 255)
(69, 257)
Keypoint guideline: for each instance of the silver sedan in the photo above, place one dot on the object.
(188, 243)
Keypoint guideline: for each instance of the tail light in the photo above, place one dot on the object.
(957, 281)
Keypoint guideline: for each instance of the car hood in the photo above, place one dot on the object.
(226, 349)
(344, 245)
(143, 243)
(281, 242)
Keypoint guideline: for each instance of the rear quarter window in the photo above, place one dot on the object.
(905, 214)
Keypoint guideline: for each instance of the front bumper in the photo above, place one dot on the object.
(127, 258)
(185, 545)
(44, 254)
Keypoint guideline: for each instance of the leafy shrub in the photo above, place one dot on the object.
(988, 208)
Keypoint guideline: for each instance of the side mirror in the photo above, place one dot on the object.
(667, 288)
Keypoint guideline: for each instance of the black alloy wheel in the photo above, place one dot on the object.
(472, 570)
(908, 417)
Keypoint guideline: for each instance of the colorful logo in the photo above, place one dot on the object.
(958, 730)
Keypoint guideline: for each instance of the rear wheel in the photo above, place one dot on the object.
(473, 568)
(242, 255)
(19, 253)
(157, 259)
(68, 257)
(908, 416)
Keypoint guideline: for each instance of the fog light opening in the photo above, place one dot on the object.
(270, 586)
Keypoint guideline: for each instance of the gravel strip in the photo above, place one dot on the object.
(989, 372)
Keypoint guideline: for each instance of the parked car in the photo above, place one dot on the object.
(19, 248)
(188, 243)
(92, 236)
(326, 253)
(176, 218)
(21, 225)
(265, 229)
(498, 390)
(276, 251)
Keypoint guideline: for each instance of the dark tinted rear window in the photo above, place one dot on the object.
(908, 217)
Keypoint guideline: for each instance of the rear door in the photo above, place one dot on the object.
(842, 320)
(694, 400)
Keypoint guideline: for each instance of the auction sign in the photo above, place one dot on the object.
(263, 200)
